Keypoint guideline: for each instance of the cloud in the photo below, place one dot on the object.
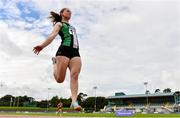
(10, 9)
(134, 46)
(6, 45)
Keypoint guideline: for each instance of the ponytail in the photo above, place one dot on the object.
(55, 17)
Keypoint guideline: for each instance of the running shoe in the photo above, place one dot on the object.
(75, 106)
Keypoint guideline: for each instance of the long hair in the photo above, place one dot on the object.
(55, 17)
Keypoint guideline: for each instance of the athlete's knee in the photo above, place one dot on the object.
(74, 75)
(59, 79)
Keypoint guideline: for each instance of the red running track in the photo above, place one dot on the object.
(37, 117)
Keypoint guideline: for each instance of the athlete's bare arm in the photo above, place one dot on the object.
(50, 38)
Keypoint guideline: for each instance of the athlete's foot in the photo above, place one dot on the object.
(54, 60)
(76, 106)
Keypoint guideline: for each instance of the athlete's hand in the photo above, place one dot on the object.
(37, 49)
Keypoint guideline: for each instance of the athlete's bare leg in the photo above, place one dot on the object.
(75, 68)
(60, 67)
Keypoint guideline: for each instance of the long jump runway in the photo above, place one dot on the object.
(32, 117)
(14, 116)
(38, 117)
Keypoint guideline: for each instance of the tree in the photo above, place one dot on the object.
(157, 91)
(6, 98)
(88, 105)
(5, 101)
(42, 104)
(167, 90)
(9, 100)
(81, 98)
(66, 102)
(120, 94)
(90, 102)
(22, 100)
(54, 101)
(147, 92)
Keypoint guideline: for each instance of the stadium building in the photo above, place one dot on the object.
(147, 103)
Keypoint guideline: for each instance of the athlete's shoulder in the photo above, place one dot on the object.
(58, 24)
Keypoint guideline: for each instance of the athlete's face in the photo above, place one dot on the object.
(66, 14)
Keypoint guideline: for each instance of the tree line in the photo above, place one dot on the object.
(88, 103)
(166, 90)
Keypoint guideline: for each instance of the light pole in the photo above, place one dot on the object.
(145, 84)
(48, 99)
(11, 101)
(1, 84)
(95, 87)
(18, 101)
(14, 102)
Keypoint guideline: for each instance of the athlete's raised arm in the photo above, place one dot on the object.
(50, 38)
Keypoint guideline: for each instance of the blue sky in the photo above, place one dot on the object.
(123, 43)
(27, 12)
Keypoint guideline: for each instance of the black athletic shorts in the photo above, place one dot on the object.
(68, 52)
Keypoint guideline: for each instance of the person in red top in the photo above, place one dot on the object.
(59, 106)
